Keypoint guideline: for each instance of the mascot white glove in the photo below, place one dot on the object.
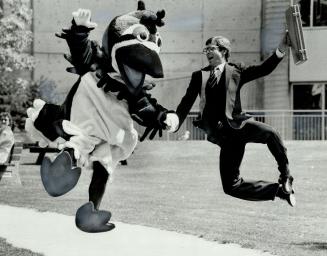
(172, 122)
(82, 17)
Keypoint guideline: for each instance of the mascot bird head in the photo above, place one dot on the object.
(132, 45)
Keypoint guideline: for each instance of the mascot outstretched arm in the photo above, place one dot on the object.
(93, 128)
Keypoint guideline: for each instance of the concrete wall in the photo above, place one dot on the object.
(276, 87)
(188, 24)
(314, 69)
(276, 94)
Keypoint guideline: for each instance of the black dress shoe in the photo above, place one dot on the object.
(286, 183)
(289, 198)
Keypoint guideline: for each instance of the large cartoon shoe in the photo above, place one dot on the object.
(60, 176)
(91, 220)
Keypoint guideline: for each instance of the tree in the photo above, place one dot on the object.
(15, 40)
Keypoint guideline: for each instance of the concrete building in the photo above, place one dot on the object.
(254, 27)
(188, 25)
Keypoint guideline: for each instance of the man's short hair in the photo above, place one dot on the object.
(222, 43)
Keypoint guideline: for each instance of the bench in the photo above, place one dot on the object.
(10, 169)
(34, 148)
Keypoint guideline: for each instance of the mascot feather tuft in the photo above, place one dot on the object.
(94, 126)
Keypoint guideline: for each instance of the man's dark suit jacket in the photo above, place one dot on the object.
(236, 75)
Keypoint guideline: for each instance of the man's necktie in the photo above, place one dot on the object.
(214, 77)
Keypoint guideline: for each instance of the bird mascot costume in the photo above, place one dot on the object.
(93, 128)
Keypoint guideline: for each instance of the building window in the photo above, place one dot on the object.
(309, 96)
(310, 111)
(313, 12)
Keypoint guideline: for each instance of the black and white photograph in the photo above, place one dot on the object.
(163, 127)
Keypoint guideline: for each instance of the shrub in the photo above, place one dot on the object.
(15, 40)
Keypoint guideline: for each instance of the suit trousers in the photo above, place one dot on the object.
(231, 155)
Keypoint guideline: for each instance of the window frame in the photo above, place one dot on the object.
(310, 26)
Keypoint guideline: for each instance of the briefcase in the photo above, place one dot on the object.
(294, 26)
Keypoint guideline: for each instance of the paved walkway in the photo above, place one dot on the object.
(55, 234)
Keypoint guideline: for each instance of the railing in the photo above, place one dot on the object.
(295, 124)
(291, 124)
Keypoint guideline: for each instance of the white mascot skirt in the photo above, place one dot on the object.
(105, 118)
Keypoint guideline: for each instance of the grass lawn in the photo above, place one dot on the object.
(176, 186)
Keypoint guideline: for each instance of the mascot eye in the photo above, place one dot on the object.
(143, 36)
(141, 33)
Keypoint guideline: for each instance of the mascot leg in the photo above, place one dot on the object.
(45, 124)
(98, 184)
(88, 217)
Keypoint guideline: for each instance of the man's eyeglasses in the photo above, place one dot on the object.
(210, 49)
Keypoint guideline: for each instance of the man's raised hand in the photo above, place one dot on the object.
(284, 43)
